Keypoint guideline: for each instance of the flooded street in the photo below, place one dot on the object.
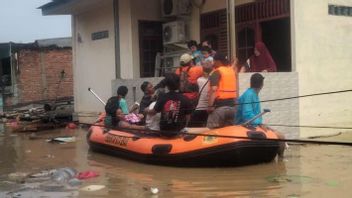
(307, 171)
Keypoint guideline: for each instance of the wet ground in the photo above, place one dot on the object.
(307, 171)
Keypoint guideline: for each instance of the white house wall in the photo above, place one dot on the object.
(323, 57)
(94, 62)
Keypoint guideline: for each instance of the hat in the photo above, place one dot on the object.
(185, 59)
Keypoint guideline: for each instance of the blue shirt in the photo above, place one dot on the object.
(198, 56)
(124, 106)
(248, 108)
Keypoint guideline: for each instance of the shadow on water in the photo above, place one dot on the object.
(307, 171)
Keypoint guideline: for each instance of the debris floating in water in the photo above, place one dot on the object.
(154, 190)
(93, 188)
(68, 139)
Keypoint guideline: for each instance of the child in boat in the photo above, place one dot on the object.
(175, 109)
(115, 116)
(130, 116)
(249, 107)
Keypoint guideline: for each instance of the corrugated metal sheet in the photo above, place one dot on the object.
(56, 42)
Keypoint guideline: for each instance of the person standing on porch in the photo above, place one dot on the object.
(195, 52)
(261, 60)
(222, 93)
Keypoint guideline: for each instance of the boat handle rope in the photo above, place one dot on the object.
(154, 132)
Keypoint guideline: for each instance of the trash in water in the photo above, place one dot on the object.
(63, 175)
(87, 175)
(93, 188)
(66, 139)
(296, 179)
(28, 151)
(44, 173)
(154, 190)
(49, 156)
(71, 125)
(17, 177)
(74, 182)
(52, 187)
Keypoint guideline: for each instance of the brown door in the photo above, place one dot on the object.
(150, 43)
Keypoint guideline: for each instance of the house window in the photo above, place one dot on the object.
(340, 10)
(214, 29)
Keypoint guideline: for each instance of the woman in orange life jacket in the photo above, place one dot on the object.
(222, 93)
(189, 73)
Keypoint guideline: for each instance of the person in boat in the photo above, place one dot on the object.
(222, 93)
(249, 107)
(121, 94)
(200, 115)
(261, 60)
(189, 74)
(174, 107)
(148, 97)
(115, 116)
(152, 122)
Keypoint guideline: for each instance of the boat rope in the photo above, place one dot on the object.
(156, 132)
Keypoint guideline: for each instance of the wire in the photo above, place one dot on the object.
(155, 132)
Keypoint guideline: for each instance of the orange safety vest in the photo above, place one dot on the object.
(228, 83)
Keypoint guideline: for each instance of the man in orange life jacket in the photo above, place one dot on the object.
(189, 74)
(222, 93)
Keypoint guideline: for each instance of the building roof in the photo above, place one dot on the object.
(53, 43)
(56, 42)
(53, 4)
(68, 7)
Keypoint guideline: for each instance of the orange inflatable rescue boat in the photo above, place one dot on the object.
(199, 147)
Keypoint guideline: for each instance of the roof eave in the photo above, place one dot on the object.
(61, 7)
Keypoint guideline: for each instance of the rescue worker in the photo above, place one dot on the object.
(189, 75)
(222, 93)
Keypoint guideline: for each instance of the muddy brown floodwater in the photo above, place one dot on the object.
(307, 171)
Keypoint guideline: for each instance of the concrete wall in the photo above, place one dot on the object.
(277, 85)
(322, 54)
(94, 62)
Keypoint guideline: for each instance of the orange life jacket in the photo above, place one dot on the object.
(188, 78)
(227, 88)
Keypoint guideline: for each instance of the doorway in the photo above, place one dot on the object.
(276, 35)
(150, 43)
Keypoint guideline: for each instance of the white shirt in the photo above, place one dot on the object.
(153, 122)
(203, 96)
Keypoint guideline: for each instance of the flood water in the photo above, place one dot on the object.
(307, 171)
